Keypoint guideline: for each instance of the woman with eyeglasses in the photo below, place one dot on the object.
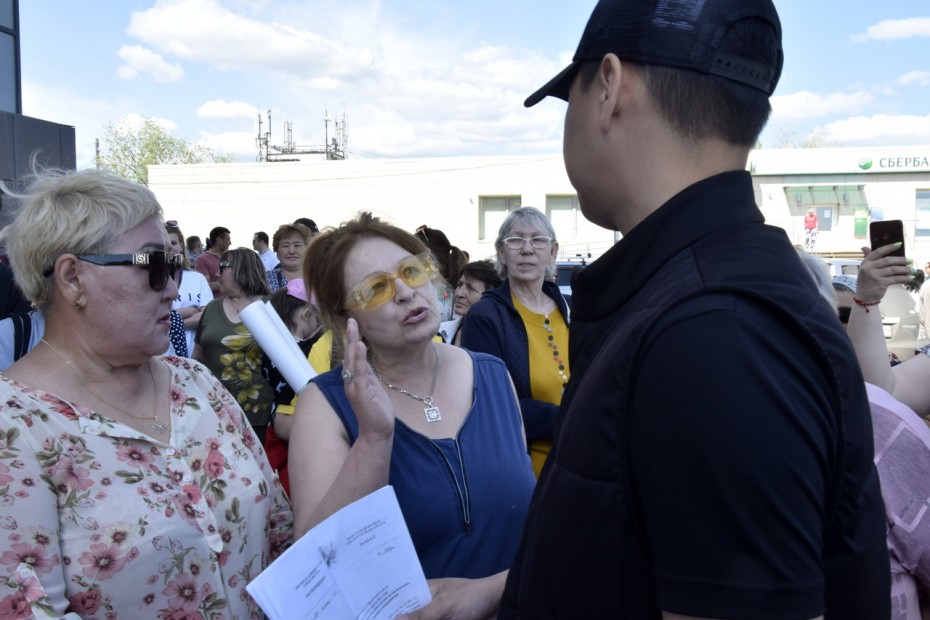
(440, 424)
(226, 346)
(132, 483)
(525, 323)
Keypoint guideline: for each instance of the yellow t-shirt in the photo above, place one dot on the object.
(547, 337)
(319, 360)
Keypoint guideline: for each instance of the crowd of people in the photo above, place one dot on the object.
(697, 436)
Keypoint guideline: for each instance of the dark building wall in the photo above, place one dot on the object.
(10, 95)
(26, 143)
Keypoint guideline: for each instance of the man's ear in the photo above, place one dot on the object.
(611, 80)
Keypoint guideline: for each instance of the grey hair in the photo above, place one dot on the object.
(820, 272)
(68, 212)
(531, 216)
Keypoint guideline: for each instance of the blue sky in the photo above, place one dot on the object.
(417, 78)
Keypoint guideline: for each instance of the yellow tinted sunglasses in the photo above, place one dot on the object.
(379, 288)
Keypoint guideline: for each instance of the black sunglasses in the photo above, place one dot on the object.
(225, 265)
(159, 264)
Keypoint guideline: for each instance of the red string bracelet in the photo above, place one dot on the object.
(866, 304)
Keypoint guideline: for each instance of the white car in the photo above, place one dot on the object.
(842, 266)
(901, 322)
(564, 270)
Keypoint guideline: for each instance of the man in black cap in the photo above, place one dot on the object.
(713, 455)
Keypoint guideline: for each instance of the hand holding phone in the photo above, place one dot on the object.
(885, 233)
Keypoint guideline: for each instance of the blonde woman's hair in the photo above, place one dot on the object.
(67, 212)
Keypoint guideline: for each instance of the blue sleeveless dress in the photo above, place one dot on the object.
(464, 498)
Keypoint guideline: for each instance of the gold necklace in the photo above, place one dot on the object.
(157, 425)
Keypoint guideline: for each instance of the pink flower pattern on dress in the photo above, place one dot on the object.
(5, 477)
(139, 516)
(134, 455)
(101, 561)
(14, 607)
(34, 556)
(86, 602)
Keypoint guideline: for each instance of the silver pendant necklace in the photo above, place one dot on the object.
(430, 411)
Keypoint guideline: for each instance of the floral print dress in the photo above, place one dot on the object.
(98, 520)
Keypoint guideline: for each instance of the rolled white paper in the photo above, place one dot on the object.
(279, 345)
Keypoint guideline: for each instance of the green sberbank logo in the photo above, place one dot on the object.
(865, 163)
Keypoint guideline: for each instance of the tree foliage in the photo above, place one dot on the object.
(790, 137)
(129, 151)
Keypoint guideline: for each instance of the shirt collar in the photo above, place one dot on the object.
(705, 207)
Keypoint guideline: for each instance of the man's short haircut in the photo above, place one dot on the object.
(68, 212)
(192, 241)
(306, 221)
(262, 236)
(217, 232)
(700, 106)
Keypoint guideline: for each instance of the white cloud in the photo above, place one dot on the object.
(879, 129)
(142, 60)
(920, 78)
(204, 31)
(408, 87)
(226, 110)
(239, 144)
(808, 105)
(892, 29)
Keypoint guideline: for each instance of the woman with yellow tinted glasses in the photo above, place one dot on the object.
(440, 424)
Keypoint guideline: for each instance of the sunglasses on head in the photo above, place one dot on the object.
(159, 264)
(378, 289)
(225, 265)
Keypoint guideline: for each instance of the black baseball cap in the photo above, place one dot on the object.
(673, 33)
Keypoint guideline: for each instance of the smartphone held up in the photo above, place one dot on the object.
(885, 233)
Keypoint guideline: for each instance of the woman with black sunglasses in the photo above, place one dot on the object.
(124, 468)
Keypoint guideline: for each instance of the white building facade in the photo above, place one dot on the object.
(468, 197)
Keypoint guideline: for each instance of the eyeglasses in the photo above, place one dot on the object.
(843, 313)
(225, 265)
(160, 265)
(378, 289)
(538, 243)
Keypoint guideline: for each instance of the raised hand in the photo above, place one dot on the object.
(878, 271)
(370, 402)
